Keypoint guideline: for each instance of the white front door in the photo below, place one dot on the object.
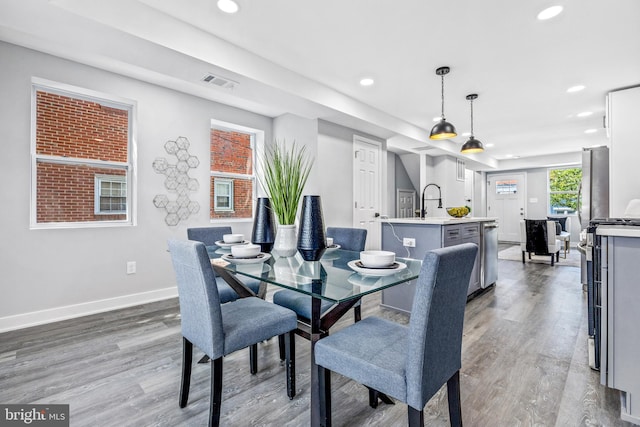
(506, 201)
(366, 188)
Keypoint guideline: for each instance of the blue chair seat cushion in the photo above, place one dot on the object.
(247, 321)
(373, 352)
(298, 302)
(226, 292)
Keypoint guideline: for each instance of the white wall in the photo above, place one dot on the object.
(624, 122)
(335, 172)
(50, 274)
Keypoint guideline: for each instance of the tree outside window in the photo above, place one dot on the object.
(563, 190)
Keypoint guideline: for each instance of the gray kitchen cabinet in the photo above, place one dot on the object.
(620, 317)
(465, 233)
(427, 236)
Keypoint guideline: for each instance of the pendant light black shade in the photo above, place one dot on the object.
(443, 129)
(472, 145)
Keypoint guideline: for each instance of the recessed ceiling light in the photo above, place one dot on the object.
(466, 134)
(508, 155)
(367, 81)
(584, 114)
(489, 144)
(576, 88)
(591, 131)
(228, 6)
(549, 12)
(437, 119)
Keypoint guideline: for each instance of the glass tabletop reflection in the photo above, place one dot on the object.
(333, 278)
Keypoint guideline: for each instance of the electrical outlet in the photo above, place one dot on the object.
(131, 267)
(409, 242)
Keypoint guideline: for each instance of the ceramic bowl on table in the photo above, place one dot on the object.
(233, 238)
(377, 259)
(245, 251)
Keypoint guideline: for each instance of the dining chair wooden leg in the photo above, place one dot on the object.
(216, 392)
(523, 257)
(416, 417)
(324, 376)
(281, 347)
(453, 395)
(290, 356)
(373, 398)
(357, 313)
(253, 358)
(187, 360)
(552, 259)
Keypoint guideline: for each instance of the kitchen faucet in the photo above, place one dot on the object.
(423, 210)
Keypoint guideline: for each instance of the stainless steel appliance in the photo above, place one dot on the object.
(594, 192)
(489, 255)
(594, 260)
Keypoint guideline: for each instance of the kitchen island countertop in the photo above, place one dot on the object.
(442, 220)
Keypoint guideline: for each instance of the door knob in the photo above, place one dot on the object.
(376, 214)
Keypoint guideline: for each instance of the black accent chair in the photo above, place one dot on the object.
(538, 236)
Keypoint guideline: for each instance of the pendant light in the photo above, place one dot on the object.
(443, 129)
(472, 145)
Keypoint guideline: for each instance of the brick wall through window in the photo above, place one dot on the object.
(68, 128)
(232, 154)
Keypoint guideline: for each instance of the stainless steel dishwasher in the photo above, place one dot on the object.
(489, 255)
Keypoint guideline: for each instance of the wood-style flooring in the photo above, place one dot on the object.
(524, 364)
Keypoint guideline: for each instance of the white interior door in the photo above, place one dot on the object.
(366, 188)
(506, 201)
(405, 203)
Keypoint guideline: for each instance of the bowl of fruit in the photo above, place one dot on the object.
(459, 211)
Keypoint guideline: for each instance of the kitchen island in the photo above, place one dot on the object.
(413, 237)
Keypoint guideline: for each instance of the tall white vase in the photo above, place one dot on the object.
(286, 241)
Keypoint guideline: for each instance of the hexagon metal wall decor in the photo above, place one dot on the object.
(177, 182)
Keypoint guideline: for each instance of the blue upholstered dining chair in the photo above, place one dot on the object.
(209, 236)
(409, 363)
(220, 329)
(350, 239)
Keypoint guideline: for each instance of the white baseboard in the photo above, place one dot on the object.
(26, 320)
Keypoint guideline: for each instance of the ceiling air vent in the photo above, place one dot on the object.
(219, 81)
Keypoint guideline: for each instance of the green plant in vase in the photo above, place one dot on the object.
(285, 171)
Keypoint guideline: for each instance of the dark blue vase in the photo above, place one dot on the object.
(264, 226)
(312, 240)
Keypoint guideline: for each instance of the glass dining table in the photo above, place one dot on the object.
(338, 277)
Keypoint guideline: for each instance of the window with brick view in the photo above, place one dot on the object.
(232, 173)
(82, 164)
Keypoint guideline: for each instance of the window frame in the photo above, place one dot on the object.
(228, 182)
(112, 101)
(257, 148)
(550, 192)
(97, 200)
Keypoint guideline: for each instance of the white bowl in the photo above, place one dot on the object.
(377, 259)
(245, 251)
(233, 238)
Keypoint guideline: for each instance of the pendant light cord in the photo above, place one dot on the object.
(471, 118)
(442, 94)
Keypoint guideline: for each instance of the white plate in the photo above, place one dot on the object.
(222, 244)
(261, 257)
(332, 248)
(376, 271)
